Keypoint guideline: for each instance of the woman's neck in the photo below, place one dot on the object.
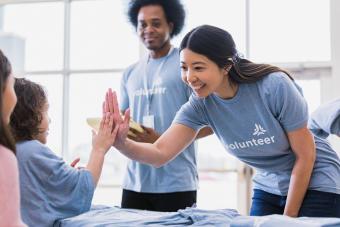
(227, 89)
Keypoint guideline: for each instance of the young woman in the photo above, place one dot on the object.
(259, 114)
(50, 188)
(9, 177)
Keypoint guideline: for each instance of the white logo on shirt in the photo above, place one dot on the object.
(152, 91)
(253, 142)
(258, 130)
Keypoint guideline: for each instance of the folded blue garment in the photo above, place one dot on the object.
(103, 216)
(115, 216)
(283, 221)
(326, 119)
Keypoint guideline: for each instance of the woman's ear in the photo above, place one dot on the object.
(227, 68)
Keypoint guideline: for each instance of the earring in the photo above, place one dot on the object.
(227, 68)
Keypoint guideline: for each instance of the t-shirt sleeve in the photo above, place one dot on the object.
(325, 120)
(191, 114)
(285, 100)
(69, 189)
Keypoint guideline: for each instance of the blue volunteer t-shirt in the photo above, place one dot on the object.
(325, 120)
(50, 189)
(253, 125)
(157, 82)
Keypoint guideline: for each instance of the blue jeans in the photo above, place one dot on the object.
(315, 204)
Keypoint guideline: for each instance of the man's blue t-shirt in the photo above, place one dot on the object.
(252, 126)
(155, 86)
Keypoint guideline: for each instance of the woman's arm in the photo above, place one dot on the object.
(302, 144)
(175, 139)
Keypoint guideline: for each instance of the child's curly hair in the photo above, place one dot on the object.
(27, 116)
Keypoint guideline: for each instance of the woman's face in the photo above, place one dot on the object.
(44, 125)
(201, 74)
(10, 99)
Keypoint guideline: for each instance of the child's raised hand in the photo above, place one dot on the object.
(106, 136)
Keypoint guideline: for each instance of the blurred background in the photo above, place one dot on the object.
(79, 48)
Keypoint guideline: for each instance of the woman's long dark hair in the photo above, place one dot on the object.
(218, 45)
(6, 138)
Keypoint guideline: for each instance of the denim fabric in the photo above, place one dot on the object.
(315, 204)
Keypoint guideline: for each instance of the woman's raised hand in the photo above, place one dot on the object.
(111, 106)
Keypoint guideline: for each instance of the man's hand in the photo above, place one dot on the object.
(149, 135)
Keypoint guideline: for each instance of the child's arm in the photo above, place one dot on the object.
(101, 143)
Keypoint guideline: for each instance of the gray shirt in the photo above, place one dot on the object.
(253, 126)
(155, 86)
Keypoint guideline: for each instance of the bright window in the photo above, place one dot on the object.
(101, 37)
(289, 30)
(86, 98)
(41, 25)
(311, 92)
(226, 14)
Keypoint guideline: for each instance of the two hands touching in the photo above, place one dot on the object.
(113, 131)
(107, 133)
(110, 106)
(149, 135)
(101, 143)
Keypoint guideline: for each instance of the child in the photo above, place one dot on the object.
(9, 177)
(50, 188)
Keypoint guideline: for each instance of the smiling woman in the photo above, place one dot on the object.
(265, 96)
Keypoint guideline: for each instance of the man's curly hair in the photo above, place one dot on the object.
(173, 9)
(27, 114)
